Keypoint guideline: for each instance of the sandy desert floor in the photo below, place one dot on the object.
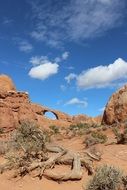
(112, 154)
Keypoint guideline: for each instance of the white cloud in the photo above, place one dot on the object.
(70, 77)
(78, 102)
(103, 76)
(36, 60)
(43, 68)
(75, 20)
(25, 46)
(65, 55)
(44, 71)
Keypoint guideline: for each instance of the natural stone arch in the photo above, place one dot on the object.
(52, 112)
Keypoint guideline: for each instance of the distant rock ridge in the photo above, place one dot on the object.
(15, 107)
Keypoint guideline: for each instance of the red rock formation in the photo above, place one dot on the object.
(6, 84)
(16, 107)
(86, 119)
(116, 108)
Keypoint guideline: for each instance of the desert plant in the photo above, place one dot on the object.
(80, 128)
(1, 131)
(94, 138)
(4, 147)
(90, 141)
(54, 129)
(105, 178)
(29, 138)
(101, 138)
(94, 125)
(124, 181)
(121, 137)
(29, 151)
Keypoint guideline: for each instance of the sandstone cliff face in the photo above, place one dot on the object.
(16, 107)
(116, 108)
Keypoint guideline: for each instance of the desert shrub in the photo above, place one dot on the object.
(1, 131)
(101, 138)
(80, 128)
(121, 137)
(4, 147)
(26, 144)
(94, 138)
(104, 128)
(96, 126)
(124, 182)
(54, 129)
(105, 178)
(90, 141)
(28, 137)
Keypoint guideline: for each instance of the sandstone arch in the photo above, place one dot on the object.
(52, 112)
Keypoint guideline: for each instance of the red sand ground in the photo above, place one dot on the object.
(112, 154)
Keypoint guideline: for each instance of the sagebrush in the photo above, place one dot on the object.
(105, 178)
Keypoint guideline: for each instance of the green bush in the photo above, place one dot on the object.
(28, 137)
(105, 178)
(95, 138)
(80, 128)
(101, 138)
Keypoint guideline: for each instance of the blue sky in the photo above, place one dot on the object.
(69, 55)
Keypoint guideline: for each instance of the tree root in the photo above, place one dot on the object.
(74, 174)
(57, 155)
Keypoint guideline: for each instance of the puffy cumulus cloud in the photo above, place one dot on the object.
(103, 76)
(70, 77)
(44, 71)
(74, 20)
(77, 101)
(43, 68)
